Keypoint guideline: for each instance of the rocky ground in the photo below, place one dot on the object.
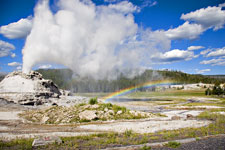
(12, 126)
(22, 121)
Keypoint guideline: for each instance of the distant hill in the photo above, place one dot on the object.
(64, 79)
(191, 78)
(216, 76)
(61, 77)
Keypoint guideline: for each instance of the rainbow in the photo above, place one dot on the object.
(133, 88)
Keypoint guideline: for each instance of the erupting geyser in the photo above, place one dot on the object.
(92, 40)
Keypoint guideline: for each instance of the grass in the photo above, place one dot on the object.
(146, 148)
(128, 133)
(25, 144)
(173, 144)
(93, 101)
(204, 104)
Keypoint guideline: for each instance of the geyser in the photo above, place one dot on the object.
(29, 88)
(97, 41)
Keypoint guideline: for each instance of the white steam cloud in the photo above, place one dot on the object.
(97, 41)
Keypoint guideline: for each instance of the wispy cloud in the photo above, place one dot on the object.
(6, 48)
(204, 52)
(217, 52)
(14, 64)
(214, 62)
(202, 71)
(191, 48)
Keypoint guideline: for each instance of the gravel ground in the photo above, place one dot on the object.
(211, 143)
(146, 126)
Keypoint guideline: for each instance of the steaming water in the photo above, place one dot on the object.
(117, 99)
(157, 109)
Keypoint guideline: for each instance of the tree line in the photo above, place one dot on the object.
(64, 79)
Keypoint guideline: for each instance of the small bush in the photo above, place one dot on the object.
(108, 105)
(93, 101)
(172, 144)
(117, 108)
(146, 148)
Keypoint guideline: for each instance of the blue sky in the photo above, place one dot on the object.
(201, 51)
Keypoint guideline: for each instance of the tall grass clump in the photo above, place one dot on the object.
(93, 101)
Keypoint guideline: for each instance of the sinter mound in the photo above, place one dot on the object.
(27, 89)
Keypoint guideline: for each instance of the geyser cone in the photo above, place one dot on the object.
(28, 88)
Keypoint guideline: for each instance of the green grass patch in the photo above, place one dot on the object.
(93, 101)
(25, 144)
(204, 104)
(146, 148)
(173, 144)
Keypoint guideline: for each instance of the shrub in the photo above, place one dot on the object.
(117, 108)
(93, 101)
(173, 144)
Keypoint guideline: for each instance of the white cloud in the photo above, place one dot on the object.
(197, 22)
(195, 47)
(173, 56)
(110, 1)
(124, 7)
(5, 48)
(202, 71)
(222, 5)
(14, 64)
(217, 52)
(45, 66)
(19, 29)
(210, 17)
(148, 3)
(19, 68)
(204, 52)
(13, 55)
(214, 62)
(142, 3)
(185, 31)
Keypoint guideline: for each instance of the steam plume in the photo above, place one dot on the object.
(91, 40)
